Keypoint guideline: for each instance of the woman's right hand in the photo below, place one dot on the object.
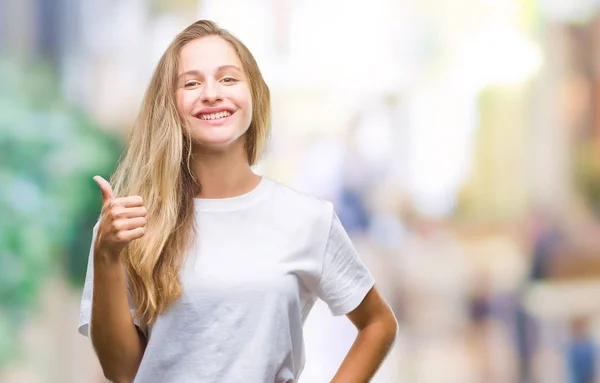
(122, 220)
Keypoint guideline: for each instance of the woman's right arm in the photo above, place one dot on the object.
(116, 339)
(118, 342)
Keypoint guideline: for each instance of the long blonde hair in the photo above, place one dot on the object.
(156, 166)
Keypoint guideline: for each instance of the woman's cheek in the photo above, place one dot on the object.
(181, 105)
(187, 103)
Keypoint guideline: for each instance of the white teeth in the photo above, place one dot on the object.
(214, 116)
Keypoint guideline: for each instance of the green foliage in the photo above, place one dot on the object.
(49, 152)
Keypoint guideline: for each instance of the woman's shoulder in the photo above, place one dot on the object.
(289, 197)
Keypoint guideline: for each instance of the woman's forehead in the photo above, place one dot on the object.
(208, 54)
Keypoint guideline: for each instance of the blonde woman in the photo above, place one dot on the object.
(200, 270)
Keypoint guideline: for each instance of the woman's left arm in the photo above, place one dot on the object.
(377, 327)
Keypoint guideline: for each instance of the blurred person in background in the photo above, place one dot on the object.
(581, 352)
(201, 269)
(547, 239)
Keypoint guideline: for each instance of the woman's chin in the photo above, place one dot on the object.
(217, 142)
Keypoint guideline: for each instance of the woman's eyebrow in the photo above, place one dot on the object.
(219, 69)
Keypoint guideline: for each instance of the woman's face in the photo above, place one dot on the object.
(213, 93)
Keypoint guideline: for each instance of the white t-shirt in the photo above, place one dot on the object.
(258, 265)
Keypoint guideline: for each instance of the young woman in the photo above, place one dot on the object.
(200, 270)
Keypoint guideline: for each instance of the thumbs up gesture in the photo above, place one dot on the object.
(121, 221)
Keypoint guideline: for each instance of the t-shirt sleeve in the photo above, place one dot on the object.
(345, 280)
(85, 311)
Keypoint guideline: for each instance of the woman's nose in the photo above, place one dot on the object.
(210, 93)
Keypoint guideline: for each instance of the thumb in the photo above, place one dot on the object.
(107, 193)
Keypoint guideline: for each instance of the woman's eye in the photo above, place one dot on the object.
(228, 79)
(190, 84)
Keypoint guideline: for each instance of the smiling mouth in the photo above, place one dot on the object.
(215, 116)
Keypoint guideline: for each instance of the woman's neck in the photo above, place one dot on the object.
(223, 174)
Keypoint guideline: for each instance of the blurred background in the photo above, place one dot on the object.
(458, 139)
